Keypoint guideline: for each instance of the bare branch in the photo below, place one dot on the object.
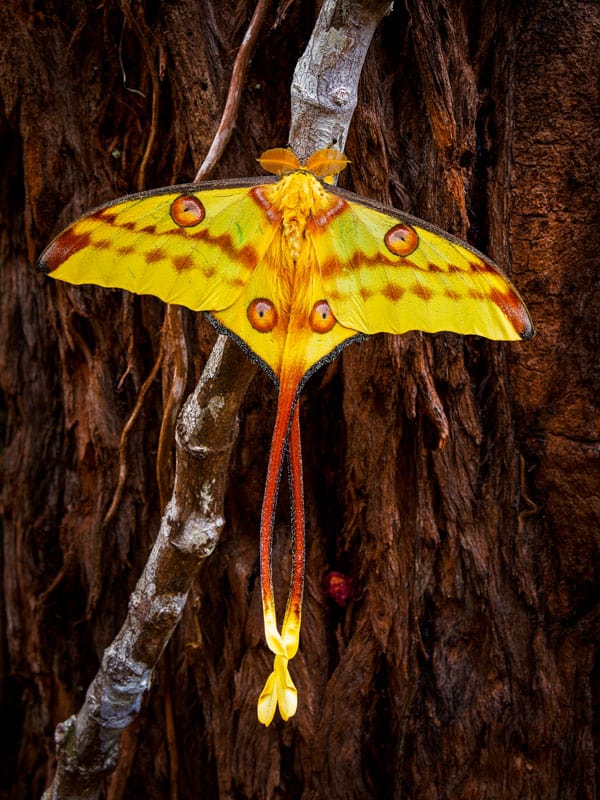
(325, 84)
(88, 744)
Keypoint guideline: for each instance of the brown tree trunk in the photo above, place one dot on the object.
(463, 665)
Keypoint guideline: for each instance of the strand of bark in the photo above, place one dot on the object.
(144, 34)
(175, 346)
(434, 408)
(234, 95)
(118, 493)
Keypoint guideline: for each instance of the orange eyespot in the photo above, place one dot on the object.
(187, 211)
(321, 318)
(262, 315)
(401, 240)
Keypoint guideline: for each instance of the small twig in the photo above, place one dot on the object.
(143, 38)
(171, 737)
(234, 95)
(122, 65)
(174, 345)
(532, 508)
(125, 435)
(433, 405)
(127, 304)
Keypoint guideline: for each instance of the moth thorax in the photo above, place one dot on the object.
(293, 233)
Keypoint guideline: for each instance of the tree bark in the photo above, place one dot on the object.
(463, 664)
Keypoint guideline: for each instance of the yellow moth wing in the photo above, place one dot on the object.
(192, 245)
(387, 271)
(286, 339)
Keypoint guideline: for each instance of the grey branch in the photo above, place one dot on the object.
(88, 744)
(325, 83)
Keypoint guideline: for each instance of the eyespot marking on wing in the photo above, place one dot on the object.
(187, 211)
(262, 315)
(321, 318)
(401, 240)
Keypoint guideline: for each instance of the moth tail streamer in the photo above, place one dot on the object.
(279, 690)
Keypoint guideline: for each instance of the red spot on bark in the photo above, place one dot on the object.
(339, 588)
